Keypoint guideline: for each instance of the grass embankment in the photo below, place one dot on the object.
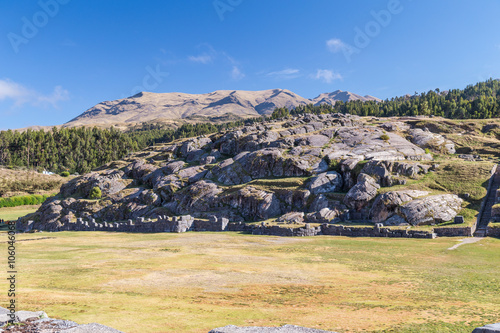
(16, 182)
(23, 200)
(193, 282)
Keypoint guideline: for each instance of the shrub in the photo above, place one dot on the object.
(95, 193)
(427, 150)
(384, 137)
(34, 199)
(65, 174)
(334, 165)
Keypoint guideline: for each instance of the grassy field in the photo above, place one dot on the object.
(194, 282)
(12, 213)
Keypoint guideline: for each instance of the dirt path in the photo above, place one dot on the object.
(466, 241)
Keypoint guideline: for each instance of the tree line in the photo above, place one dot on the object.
(479, 101)
(79, 150)
(83, 149)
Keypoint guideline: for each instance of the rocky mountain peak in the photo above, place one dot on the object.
(149, 107)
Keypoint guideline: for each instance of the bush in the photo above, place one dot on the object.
(65, 174)
(22, 200)
(334, 165)
(95, 193)
(384, 137)
(427, 150)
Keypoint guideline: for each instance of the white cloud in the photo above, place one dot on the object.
(327, 75)
(285, 74)
(202, 58)
(19, 94)
(236, 73)
(335, 45)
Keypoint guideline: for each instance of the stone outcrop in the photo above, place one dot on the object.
(432, 209)
(490, 328)
(325, 182)
(427, 139)
(254, 203)
(360, 194)
(250, 173)
(292, 217)
(109, 182)
(38, 321)
(389, 173)
(386, 204)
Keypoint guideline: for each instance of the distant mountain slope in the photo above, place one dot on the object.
(147, 107)
(344, 96)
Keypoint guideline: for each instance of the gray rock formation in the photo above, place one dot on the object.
(325, 182)
(254, 203)
(431, 210)
(386, 204)
(250, 173)
(490, 328)
(38, 321)
(292, 217)
(109, 182)
(427, 139)
(360, 194)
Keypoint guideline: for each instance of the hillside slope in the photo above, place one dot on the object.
(161, 107)
(313, 168)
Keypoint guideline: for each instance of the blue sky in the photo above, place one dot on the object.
(60, 57)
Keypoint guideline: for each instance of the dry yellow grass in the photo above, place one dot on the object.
(19, 182)
(193, 282)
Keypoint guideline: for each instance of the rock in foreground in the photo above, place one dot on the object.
(491, 328)
(29, 321)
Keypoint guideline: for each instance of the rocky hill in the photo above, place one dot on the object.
(160, 107)
(318, 169)
(344, 96)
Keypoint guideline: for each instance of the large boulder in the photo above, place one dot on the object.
(325, 215)
(389, 173)
(360, 194)
(265, 163)
(386, 204)
(292, 217)
(201, 196)
(366, 143)
(490, 328)
(317, 140)
(325, 182)
(109, 182)
(253, 203)
(347, 168)
(139, 169)
(431, 210)
(427, 139)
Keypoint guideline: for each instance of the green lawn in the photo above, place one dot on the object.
(13, 213)
(194, 282)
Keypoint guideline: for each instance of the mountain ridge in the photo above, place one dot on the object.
(149, 106)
